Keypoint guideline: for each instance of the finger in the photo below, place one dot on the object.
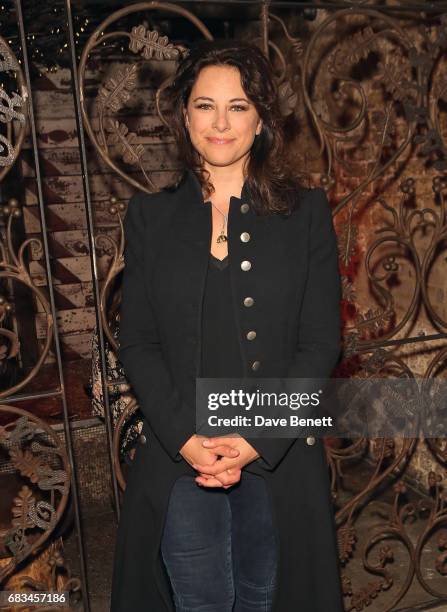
(226, 451)
(213, 442)
(209, 443)
(214, 483)
(206, 476)
(210, 482)
(205, 466)
(226, 478)
(219, 466)
(229, 478)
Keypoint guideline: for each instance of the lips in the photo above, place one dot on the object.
(220, 140)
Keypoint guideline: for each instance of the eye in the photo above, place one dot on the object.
(206, 106)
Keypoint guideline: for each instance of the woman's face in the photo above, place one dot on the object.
(221, 121)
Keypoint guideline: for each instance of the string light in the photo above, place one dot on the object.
(43, 48)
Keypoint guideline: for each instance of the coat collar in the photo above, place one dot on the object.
(193, 218)
(190, 188)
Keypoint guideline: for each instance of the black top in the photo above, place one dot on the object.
(221, 356)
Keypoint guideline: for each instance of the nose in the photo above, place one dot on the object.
(221, 121)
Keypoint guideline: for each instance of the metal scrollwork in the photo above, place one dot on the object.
(118, 88)
(39, 456)
(13, 266)
(13, 107)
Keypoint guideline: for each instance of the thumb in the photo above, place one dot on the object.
(208, 443)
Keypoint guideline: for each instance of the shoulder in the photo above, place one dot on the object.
(313, 215)
(310, 202)
(313, 197)
(146, 208)
(315, 200)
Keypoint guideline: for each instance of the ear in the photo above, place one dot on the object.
(259, 127)
(185, 116)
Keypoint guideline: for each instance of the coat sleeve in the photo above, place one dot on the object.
(140, 351)
(319, 334)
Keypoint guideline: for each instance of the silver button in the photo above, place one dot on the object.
(310, 440)
(255, 365)
(245, 265)
(245, 236)
(245, 208)
(248, 301)
(143, 439)
(251, 335)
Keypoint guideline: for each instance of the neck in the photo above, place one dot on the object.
(226, 180)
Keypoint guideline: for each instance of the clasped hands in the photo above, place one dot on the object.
(219, 460)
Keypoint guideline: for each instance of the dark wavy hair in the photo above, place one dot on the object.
(272, 182)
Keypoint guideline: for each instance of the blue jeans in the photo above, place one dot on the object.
(219, 547)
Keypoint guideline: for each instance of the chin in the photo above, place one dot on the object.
(220, 161)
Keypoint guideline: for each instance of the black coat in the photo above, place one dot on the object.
(294, 283)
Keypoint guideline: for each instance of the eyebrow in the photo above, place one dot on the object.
(211, 99)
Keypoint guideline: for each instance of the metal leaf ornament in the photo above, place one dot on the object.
(346, 538)
(352, 50)
(26, 463)
(23, 504)
(119, 135)
(347, 242)
(153, 45)
(117, 89)
(287, 98)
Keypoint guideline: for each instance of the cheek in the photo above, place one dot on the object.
(199, 124)
(246, 126)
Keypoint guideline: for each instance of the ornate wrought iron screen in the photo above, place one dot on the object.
(364, 92)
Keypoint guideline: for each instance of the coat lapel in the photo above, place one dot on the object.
(190, 239)
(194, 215)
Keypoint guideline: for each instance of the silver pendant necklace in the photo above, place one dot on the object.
(222, 236)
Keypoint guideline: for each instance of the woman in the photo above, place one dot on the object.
(233, 273)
